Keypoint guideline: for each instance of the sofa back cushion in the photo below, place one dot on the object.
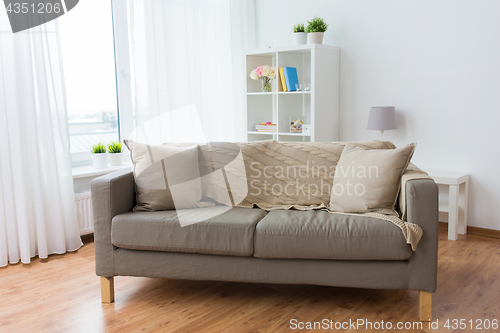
(166, 177)
(368, 180)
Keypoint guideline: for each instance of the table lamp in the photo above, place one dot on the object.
(382, 118)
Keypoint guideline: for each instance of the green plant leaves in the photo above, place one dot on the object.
(317, 24)
(299, 27)
(115, 147)
(98, 149)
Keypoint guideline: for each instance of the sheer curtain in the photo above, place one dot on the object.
(180, 68)
(37, 206)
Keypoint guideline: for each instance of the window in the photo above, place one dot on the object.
(89, 68)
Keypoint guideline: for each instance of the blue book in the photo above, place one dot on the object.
(291, 77)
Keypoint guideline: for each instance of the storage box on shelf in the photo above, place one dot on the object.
(317, 65)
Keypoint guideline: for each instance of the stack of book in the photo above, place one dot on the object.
(267, 127)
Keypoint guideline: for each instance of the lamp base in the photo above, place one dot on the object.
(382, 135)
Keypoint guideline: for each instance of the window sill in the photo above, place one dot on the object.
(89, 171)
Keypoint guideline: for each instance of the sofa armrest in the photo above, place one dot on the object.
(112, 194)
(422, 209)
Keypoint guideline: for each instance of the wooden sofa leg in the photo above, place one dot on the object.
(107, 289)
(425, 306)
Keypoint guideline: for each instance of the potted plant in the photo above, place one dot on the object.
(99, 156)
(299, 34)
(115, 153)
(316, 29)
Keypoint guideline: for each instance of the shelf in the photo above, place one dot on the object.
(279, 93)
(90, 171)
(261, 93)
(306, 48)
(279, 133)
(444, 207)
(255, 132)
(293, 92)
(293, 134)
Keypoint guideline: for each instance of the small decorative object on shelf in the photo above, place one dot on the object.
(266, 74)
(299, 34)
(267, 127)
(115, 153)
(306, 129)
(297, 124)
(99, 156)
(316, 29)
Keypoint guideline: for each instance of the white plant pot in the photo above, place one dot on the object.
(100, 161)
(116, 159)
(299, 38)
(316, 37)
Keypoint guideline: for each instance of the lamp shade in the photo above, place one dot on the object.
(382, 118)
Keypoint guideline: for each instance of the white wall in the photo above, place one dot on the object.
(437, 62)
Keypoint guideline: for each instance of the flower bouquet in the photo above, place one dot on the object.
(266, 73)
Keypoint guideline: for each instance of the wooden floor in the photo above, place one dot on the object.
(62, 294)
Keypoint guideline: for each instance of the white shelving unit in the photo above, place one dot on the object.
(317, 65)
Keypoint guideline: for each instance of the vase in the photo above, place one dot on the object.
(116, 159)
(100, 161)
(315, 37)
(299, 38)
(266, 84)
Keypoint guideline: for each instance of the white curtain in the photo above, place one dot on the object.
(180, 68)
(37, 206)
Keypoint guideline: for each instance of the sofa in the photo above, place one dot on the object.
(251, 244)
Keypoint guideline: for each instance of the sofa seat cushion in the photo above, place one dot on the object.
(321, 235)
(230, 233)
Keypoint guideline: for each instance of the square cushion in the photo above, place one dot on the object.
(165, 177)
(230, 233)
(368, 180)
(321, 235)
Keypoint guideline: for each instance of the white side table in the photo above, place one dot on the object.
(457, 202)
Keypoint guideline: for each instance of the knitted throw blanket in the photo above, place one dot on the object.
(288, 175)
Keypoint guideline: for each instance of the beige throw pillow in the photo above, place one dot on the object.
(369, 180)
(166, 177)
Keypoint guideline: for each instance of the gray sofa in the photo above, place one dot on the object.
(252, 245)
